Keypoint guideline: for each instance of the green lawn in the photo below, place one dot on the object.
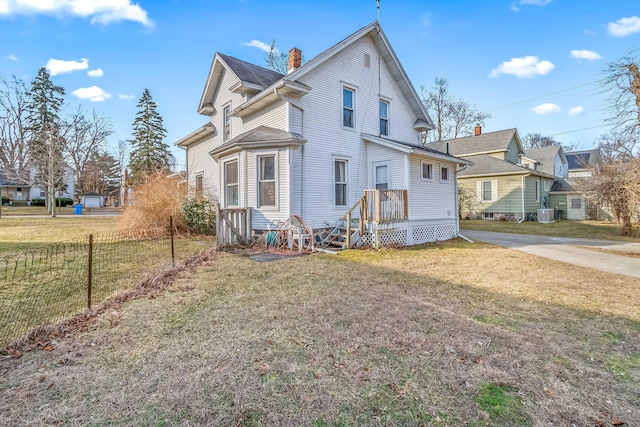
(561, 228)
(432, 335)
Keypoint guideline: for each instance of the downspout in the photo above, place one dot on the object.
(523, 207)
(457, 202)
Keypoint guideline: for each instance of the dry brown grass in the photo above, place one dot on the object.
(154, 201)
(393, 337)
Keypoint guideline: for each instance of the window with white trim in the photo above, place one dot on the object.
(444, 173)
(384, 117)
(340, 182)
(348, 107)
(487, 190)
(231, 183)
(427, 171)
(227, 123)
(266, 180)
(199, 179)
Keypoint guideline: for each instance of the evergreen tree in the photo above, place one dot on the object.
(148, 153)
(46, 144)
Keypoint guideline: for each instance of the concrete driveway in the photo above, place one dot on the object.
(567, 250)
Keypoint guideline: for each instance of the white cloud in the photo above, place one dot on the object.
(589, 55)
(527, 66)
(260, 45)
(11, 57)
(425, 20)
(624, 26)
(547, 108)
(93, 94)
(95, 73)
(576, 111)
(59, 66)
(100, 11)
(123, 96)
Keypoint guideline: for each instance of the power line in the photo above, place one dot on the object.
(542, 96)
(578, 130)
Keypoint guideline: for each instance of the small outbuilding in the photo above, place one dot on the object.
(92, 200)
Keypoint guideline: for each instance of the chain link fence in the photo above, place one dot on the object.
(39, 288)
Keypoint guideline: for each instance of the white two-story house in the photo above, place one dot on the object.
(343, 128)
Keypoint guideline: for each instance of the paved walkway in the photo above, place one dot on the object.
(568, 250)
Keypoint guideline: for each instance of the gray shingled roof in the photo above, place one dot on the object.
(5, 181)
(567, 185)
(251, 73)
(485, 164)
(263, 135)
(544, 155)
(486, 142)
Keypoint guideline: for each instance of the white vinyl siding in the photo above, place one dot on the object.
(429, 198)
(226, 120)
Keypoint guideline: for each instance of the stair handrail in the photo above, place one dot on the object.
(347, 217)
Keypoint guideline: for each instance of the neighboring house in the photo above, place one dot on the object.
(14, 190)
(550, 160)
(92, 200)
(567, 195)
(66, 192)
(504, 186)
(22, 192)
(344, 127)
(581, 163)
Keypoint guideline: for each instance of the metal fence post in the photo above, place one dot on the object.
(173, 252)
(90, 272)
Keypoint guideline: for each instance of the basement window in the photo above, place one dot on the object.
(487, 215)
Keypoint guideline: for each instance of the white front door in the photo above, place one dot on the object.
(380, 175)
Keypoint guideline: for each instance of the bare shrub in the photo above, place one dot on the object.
(154, 200)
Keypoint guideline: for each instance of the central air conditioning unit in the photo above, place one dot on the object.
(546, 216)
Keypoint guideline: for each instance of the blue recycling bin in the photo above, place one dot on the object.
(77, 209)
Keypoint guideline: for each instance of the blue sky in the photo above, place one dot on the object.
(532, 64)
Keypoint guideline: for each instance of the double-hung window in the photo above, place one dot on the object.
(444, 174)
(427, 171)
(267, 180)
(384, 118)
(348, 107)
(487, 191)
(227, 123)
(340, 182)
(231, 183)
(199, 187)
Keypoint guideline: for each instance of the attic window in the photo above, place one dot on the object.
(367, 60)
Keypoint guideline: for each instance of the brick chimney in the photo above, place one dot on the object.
(477, 130)
(295, 59)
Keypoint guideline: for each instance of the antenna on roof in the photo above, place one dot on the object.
(378, 6)
(273, 46)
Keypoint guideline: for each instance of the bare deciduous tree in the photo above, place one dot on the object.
(453, 117)
(622, 84)
(85, 136)
(14, 136)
